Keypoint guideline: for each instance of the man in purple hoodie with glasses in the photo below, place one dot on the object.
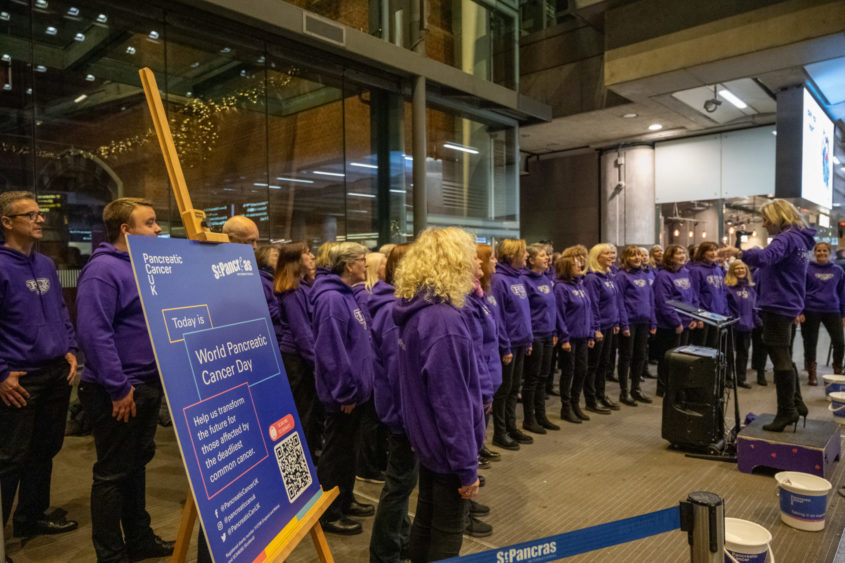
(37, 367)
(120, 388)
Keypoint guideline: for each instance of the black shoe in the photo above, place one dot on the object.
(567, 414)
(744, 385)
(376, 479)
(490, 455)
(522, 438)
(483, 463)
(626, 400)
(547, 424)
(761, 378)
(576, 409)
(597, 409)
(505, 442)
(481, 481)
(608, 404)
(476, 528)
(343, 526)
(358, 509)
(478, 509)
(44, 526)
(641, 397)
(531, 426)
(152, 549)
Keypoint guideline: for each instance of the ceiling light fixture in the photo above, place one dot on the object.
(298, 180)
(130, 50)
(655, 127)
(79, 37)
(51, 30)
(336, 174)
(73, 11)
(363, 165)
(353, 194)
(676, 232)
(7, 58)
(732, 98)
(461, 148)
(90, 78)
(80, 98)
(713, 103)
(41, 4)
(102, 18)
(40, 68)
(225, 50)
(630, 115)
(5, 16)
(153, 34)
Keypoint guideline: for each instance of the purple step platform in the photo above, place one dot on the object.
(813, 449)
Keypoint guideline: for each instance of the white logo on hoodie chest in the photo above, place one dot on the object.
(39, 286)
(824, 277)
(359, 316)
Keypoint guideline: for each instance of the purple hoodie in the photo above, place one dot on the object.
(742, 303)
(635, 285)
(825, 288)
(267, 280)
(782, 271)
(481, 321)
(708, 280)
(576, 314)
(111, 325)
(362, 297)
(672, 286)
(294, 332)
(343, 367)
(385, 357)
(439, 385)
(34, 321)
(509, 290)
(541, 299)
(607, 299)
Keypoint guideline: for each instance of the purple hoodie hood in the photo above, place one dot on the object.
(439, 387)
(34, 321)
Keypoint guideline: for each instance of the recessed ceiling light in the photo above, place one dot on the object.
(130, 50)
(7, 87)
(630, 115)
(73, 11)
(80, 98)
(195, 64)
(102, 18)
(729, 96)
(90, 78)
(655, 127)
(153, 34)
(363, 165)
(41, 4)
(79, 37)
(323, 173)
(51, 30)
(461, 148)
(5, 16)
(7, 58)
(40, 68)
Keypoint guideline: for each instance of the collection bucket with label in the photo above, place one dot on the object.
(833, 384)
(837, 406)
(803, 500)
(747, 542)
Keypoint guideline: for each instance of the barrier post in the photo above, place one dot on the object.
(703, 519)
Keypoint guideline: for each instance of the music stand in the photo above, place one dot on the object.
(724, 326)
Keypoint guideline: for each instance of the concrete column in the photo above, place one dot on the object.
(418, 122)
(627, 196)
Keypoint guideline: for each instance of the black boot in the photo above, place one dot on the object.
(626, 400)
(567, 414)
(529, 421)
(540, 411)
(761, 378)
(786, 414)
(640, 396)
(576, 410)
(799, 400)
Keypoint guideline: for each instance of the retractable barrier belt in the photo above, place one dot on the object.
(580, 541)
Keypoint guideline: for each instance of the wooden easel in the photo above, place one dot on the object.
(193, 219)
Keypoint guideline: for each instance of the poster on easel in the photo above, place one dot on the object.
(238, 431)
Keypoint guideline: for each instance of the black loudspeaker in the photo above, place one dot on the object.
(692, 404)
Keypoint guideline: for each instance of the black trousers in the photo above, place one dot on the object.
(760, 352)
(118, 495)
(338, 462)
(738, 352)
(301, 378)
(633, 354)
(600, 361)
(810, 334)
(564, 363)
(372, 445)
(437, 532)
(30, 437)
(504, 400)
(391, 526)
(537, 367)
(778, 331)
(574, 373)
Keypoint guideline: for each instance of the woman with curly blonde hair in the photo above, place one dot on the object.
(440, 391)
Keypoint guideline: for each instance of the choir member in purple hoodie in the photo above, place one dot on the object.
(541, 299)
(515, 339)
(391, 526)
(708, 281)
(577, 329)
(37, 367)
(439, 384)
(634, 284)
(494, 361)
(613, 319)
(672, 283)
(295, 337)
(742, 303)
(343, 377)
(782, 278)
(120, 387)
(824, 304)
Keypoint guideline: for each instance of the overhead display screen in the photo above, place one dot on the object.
(816, 153)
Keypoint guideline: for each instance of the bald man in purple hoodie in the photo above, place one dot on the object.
(37, 367)
(120, 388)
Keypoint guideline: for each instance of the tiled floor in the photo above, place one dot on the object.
(609, 468)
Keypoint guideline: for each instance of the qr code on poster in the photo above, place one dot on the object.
(292, 463)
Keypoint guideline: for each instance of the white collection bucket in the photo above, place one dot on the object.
(837, 406)
(833, 384)
(747, 542)
(803, 500)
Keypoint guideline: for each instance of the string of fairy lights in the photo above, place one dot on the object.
(194, 126)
